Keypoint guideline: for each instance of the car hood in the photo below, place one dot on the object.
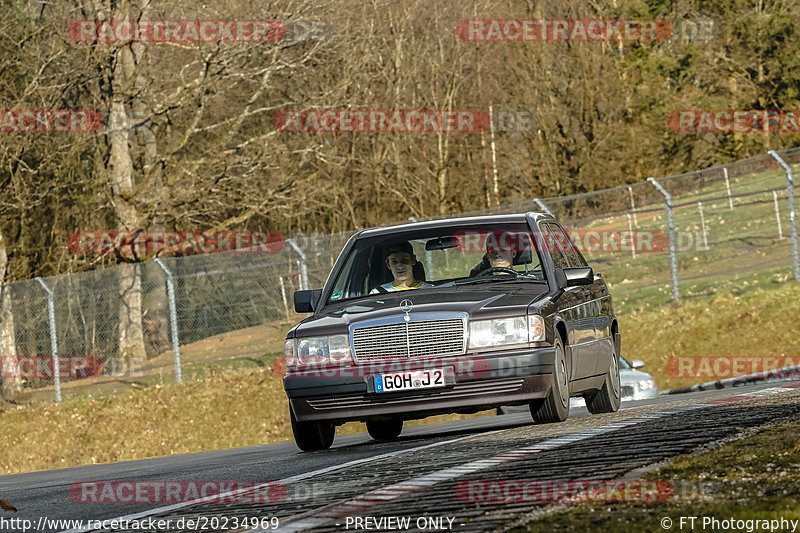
(485, 301)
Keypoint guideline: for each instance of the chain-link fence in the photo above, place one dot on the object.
(169, 319)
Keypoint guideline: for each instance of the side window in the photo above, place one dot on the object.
(573, 254)
(553, 246)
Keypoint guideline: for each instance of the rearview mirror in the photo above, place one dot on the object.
(306, 301)
(637, 363)
(441, 243)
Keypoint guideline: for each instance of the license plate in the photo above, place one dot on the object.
(418, 379)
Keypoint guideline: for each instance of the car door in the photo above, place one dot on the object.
(575, 308)
(599, 301)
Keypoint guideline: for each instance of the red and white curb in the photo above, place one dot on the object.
(335, 511)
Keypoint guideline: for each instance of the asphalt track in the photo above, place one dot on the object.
(418, 475)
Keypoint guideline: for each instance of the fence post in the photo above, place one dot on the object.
(633, 206)
(673, 259)
(303, 264)
(283, 294)
(703, 225)
(633, 237)
(792, 216)
(777, 214)
(430, 274)
(173, 320)
(51, 315)
(495, 185)
(540, 203)
(728, 187)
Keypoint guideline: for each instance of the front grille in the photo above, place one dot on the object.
(425, 339)
(626, 391)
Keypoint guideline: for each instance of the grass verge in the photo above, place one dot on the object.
(754, 322)
(221, 411)
(757, 478)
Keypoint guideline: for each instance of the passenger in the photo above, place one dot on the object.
(400, 260)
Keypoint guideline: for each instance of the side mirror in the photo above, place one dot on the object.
(637, 363)
(306, 301)
(572, 277)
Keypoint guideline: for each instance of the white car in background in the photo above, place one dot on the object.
(634, 385)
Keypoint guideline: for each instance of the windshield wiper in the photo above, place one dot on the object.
(497, 279)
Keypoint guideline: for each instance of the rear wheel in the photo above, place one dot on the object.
(607, 399)
(385, 429)
(554, 408)
(312, 436)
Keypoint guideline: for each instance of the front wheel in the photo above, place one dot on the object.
(385, 429)
(554, 408)
(607, 399)
(312, 436)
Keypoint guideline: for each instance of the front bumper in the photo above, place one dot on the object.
(631, 393)
(475, 382)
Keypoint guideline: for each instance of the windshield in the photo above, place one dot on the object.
(436, 258)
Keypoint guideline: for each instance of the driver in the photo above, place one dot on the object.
(400, 260)
(497, 255)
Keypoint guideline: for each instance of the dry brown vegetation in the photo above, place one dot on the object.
(191, 144)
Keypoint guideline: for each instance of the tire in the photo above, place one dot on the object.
(607, 399)
(385, 430)
(554, 408)
(312, 436)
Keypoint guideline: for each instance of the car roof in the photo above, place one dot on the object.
(445, 222)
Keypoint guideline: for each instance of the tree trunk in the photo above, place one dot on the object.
(9, 364)
(131, 334)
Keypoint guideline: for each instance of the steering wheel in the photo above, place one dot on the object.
(492, 270)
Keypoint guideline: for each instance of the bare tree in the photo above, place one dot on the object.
(10, 378)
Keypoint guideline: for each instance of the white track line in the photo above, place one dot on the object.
(329, 513)
(285, 481)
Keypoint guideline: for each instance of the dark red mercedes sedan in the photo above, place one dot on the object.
(451, 316)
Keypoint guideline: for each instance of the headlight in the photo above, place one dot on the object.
(321, 350)
(646, 384)
(500, 331)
